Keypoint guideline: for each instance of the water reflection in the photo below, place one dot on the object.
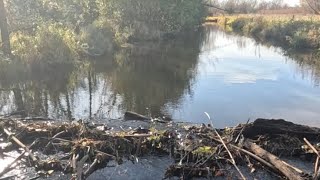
(142, 78)
(230, 77)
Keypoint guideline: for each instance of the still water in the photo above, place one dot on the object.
(231, 77)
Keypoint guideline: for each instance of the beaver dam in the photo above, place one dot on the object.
(264, 148)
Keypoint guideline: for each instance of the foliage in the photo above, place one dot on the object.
(51, 43)
(93, 26)
(297, 34)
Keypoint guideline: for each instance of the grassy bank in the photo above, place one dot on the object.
(296, 32)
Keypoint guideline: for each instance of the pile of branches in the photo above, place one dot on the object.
(82, 144)
(198, 151)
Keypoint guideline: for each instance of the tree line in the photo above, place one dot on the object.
(92, 23)
(254, 6)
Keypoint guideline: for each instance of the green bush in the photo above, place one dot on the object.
(51, 43)
(96, 39)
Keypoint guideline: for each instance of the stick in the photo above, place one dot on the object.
(106, 154)
(256, 158)
(92, 167)
(238, 137)
(312, 147)
(16, 140)
(253, 156)
(288, 171)
(317, 160)
(318, 174)
(316, 167)
(233, 162)
(80, 165)
(50, 141)
(8, 168)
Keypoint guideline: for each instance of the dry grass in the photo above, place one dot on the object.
(294, 31)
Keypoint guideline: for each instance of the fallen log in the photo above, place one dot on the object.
(129, 115)
(289, 171)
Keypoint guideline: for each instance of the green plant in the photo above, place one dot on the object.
(51, 43)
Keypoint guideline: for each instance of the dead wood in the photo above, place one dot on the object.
(198, 151)
(129, 115)
(315, 176)
(286, 170)
(18, 142)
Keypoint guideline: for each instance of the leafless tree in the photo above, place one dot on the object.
(311, 5)
(4, 30)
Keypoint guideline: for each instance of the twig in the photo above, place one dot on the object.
(316, 165)
(8, 168)
(51, 139)
(16, 140)
(80, 165)
(240, 133)
(74, 162)
(312, 147)
(91, 169)
(316, 174)
(138, 135)
(233, 162)
(114, 157)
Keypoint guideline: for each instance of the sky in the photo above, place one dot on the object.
(292, 2)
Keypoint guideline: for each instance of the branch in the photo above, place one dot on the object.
(209, 5)
(313, 9)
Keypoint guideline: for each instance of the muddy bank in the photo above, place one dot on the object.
(81, 150)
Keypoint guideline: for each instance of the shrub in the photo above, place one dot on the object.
(288, 32)
(96, 39)
(51, 43)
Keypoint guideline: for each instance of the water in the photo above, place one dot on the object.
(233, 78)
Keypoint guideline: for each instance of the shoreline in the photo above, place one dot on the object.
(196, 150)
(291, 32)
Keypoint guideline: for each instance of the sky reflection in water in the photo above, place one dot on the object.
(233, 78)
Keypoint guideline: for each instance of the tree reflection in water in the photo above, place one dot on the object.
(142, 78)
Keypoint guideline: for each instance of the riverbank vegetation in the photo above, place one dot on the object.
(61, 31)
(290, 31)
